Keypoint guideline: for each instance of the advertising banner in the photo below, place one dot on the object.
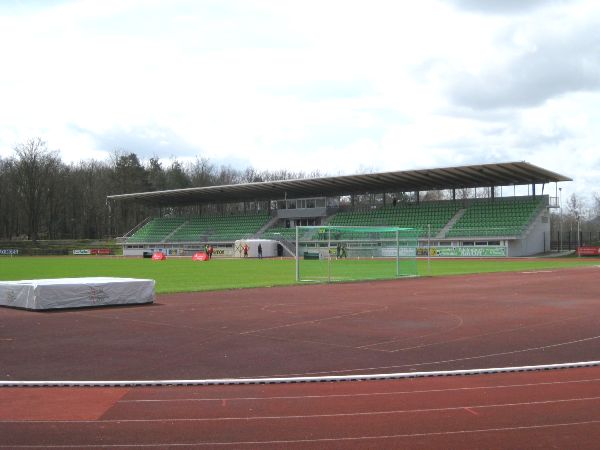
(404, 252)
(93, 251)
(588, 251)
(222, 251)
(464, 252)
(9, 251)
(100, 251)
(159, 256)
(200, 256)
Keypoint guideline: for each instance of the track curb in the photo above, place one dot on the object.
(290, 380)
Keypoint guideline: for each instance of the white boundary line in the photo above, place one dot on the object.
(283, 380)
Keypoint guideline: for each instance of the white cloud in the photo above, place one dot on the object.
(334, 85)
(546, 61)
(504, 6)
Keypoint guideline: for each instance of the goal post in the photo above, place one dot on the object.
(346, 253)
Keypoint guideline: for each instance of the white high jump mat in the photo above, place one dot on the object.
(75, 292)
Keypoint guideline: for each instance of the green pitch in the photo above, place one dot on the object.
(185, 275)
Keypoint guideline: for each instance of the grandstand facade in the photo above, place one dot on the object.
(496, 226)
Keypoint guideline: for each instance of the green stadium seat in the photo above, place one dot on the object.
(497, 217)
(205, 228)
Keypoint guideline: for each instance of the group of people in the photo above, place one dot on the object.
(246, 249)
(340, 251)
(209, 250)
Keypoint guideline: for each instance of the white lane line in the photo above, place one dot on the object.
(314, 321)
(444, 361)
(310, 416)
(459, 323)
(361, 394)
(492, 333)
(316, 440)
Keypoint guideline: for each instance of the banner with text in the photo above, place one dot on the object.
(464, 252)
(588, 251)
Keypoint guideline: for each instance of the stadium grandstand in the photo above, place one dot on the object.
(493, 222)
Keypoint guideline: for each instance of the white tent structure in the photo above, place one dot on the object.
(269, 248)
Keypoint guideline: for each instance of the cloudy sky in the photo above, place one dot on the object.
(337, 85)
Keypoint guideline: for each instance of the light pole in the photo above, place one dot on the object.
(560, 220)
(578, 239)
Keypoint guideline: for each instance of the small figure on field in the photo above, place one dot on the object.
(343, 252)
(245, 250)
(259, 251)
(210, 251)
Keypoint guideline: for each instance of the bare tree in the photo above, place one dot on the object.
(433, 196)
(35, 165)
(9, 211)
(465, 193)
(596, 207)
(202, 172)
(575, 206)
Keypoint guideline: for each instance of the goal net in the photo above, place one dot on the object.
(343, 253)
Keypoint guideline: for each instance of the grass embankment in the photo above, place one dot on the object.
(184, 275)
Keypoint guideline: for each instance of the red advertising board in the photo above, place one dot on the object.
(159, 256)
(200, 256)
(588, 251)
(93, 251)
(101, 251)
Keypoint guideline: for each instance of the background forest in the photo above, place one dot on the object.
(43, 197)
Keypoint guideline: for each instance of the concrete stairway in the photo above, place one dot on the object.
(450, 224)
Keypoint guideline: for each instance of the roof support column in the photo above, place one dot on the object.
(453, 194)
(533, 189)
(417, 197)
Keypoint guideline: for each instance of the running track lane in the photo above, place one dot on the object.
(462, 322)
(550, 409)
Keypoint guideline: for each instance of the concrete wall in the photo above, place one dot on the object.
(536, 240)
(301, 213)
(133, 251)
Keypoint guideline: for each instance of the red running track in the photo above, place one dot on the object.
(447, 323)
(462, 322)
(552, 409)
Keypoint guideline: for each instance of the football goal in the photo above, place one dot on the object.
(344, 253)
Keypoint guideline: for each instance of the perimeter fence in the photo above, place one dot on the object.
(570, 240)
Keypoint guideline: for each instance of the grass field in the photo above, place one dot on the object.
(184, 275)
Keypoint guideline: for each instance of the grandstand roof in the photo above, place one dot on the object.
(483, 175)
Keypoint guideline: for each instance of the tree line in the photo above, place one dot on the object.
(45, 198)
